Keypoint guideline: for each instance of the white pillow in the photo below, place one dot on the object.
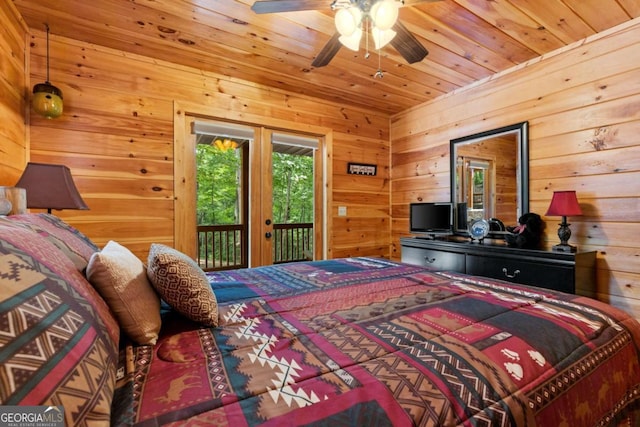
(121, 278)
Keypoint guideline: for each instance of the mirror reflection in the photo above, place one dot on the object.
(489, 177)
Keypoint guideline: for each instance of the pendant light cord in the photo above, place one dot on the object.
(47, 25)
(366, 37)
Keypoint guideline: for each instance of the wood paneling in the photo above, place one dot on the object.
(583, 108)
(110, 59)
(117, 137)
(467, 40)
(13, 90)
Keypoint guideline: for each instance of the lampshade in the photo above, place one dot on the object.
(50, 187)
(384, 14)
(225, 144)
(381, 38)
(348, 20)
(564, 203)
(353, 41)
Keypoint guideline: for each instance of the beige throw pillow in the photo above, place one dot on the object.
(182, 284)
(120, 277)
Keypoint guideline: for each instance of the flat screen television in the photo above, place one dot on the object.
(431, 218)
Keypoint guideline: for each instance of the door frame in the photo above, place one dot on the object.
(185, 235)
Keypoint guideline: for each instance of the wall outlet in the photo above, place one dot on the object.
(342, 211)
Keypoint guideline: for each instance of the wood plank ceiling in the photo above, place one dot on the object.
(467, 40)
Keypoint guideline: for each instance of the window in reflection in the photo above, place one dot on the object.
(476, 186)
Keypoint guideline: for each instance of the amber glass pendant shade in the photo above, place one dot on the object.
(47, 100)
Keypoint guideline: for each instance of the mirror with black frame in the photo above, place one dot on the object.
(490, 178)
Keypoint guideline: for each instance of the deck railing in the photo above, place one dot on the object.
(222, 247)
(292, 242)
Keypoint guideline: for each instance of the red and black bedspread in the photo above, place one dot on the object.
(369, 342)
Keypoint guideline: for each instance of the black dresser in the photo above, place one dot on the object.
(566, 272)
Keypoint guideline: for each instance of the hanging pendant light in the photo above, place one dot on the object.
(225, 144)
(47, 99)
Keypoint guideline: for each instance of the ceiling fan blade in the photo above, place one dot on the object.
(275, 6)
(407, 44)
(328, 51)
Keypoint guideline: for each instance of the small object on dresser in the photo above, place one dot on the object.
(479, 229)
(526, 235)
(496, 225)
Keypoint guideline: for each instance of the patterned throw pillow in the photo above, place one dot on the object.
(182, 284)
(72, 242)
(121, 279)
(62, 338)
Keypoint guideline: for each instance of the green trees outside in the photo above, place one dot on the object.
(292, 188)
(219, 186)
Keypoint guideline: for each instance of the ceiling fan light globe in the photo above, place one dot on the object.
(348, 20)
(382, 38)
(384, 14)
(353, 41)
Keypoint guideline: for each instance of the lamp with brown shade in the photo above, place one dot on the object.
(50, 187)
(564, 204)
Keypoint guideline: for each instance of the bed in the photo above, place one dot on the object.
(366, 341)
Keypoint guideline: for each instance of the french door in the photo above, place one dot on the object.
(287, 226)
(277, 219)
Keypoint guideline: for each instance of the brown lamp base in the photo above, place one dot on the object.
(564, 233)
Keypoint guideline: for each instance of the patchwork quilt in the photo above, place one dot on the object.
(370, 342)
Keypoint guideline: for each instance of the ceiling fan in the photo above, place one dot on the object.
(380, 17)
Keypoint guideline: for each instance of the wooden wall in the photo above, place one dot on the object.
(116, 136)
(13, 94)
(583, 108)
(582, 103)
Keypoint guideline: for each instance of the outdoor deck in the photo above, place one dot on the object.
(224, 247)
